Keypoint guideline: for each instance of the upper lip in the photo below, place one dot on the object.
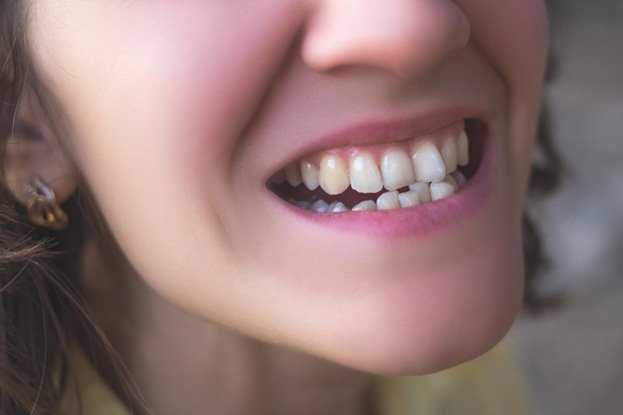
(381, 129)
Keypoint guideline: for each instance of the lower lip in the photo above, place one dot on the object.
(413, 221)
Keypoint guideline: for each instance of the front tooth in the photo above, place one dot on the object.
(449, 154)
(423, 191)
(333, 175)
(441, 190)
(397, 169)
(388, 200)
(462, 147)
(319, 206)
(293, 174)
(311, 175)
(365, 206)
(337, 207)
(409, 199)
(428, 164)
(365, 176)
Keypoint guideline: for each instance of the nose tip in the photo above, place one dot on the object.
(407, 37)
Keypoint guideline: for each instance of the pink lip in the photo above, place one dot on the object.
(417, 220)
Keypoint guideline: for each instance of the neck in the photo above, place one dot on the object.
(183, 364)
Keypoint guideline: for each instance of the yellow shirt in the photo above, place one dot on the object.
(488, 385)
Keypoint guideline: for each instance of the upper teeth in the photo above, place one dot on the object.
(397, 167)
(310, 175)
(365, 176)
(333, 175)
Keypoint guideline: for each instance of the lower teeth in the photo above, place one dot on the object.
(417, 194)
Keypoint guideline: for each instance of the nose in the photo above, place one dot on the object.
(407, 37)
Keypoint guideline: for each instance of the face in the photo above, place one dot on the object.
(185, 116)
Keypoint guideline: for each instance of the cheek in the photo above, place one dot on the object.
(178, 76)
(157, 105)
(513, 36)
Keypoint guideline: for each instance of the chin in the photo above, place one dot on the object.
(428, 326)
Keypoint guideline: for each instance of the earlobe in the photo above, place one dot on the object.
(34, 153)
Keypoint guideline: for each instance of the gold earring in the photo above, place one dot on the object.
(42, 207)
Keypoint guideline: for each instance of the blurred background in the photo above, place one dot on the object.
(573, 357)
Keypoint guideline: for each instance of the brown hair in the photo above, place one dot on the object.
(40, 303)
(29, 319)
(41, 309)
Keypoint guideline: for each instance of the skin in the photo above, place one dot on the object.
(178, 112)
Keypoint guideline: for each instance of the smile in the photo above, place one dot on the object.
(380, 177)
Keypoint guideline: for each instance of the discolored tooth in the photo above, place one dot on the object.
(428, 164)
(397, 169)
(337, 207)
(441, 190)
(459, 178)
(462, 148)
(365, 206)
(365, 176)
(409, 199)
(333, 175)
(293, 174)
(388, 200)
(311, 175)
(319, 206)
(449, 154)
(423, 190)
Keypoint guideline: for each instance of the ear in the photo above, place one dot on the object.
(34, 150)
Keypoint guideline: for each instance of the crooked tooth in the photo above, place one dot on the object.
(397, 169)
(319, 206)
(442, 189)
(409, 199)
(293, 174)
(337, 207)
(428, 164)
(311, 175)
(388, 200)
(365, 176)
(423, 190)
(365, 206)
(449, 154)
(333, 175)
(462, 149)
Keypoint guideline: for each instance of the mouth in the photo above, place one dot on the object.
(402, 174)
